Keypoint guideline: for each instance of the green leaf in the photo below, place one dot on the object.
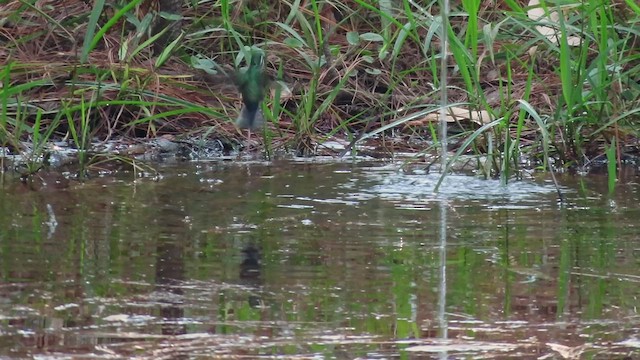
(91, 29)
(402, 36)
(170, 16)
(293, 33)
(207, 65)
(373, 37)
(166, 53)
(293, 42)
(633, 6)
(353, 38)
(368, 59)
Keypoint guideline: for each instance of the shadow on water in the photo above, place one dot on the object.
(302, 260)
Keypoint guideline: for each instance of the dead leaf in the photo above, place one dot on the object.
(459, 114)
(537, 13)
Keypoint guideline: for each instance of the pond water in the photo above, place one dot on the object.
(303, 260)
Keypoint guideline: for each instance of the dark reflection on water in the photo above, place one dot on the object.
(169, 266)
(317, 261)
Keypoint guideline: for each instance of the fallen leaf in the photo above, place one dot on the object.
(537, 13)
(457, 114)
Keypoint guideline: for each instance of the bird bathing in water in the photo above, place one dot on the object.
(252, 83)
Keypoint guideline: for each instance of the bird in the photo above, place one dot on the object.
(253, 84)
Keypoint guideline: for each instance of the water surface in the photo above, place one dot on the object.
(300, 260)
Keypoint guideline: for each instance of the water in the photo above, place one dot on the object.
(305, 261)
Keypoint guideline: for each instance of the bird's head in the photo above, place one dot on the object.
(257, 57)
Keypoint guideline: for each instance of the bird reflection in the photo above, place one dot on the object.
(170, 269)
(251, 271)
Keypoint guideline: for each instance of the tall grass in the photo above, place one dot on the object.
(368, 71)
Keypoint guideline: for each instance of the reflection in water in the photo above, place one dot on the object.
(170, 266)
(442, 299)
(251, 272)
(52, 223)
(315, 261)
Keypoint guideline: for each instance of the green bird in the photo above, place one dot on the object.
(253, 84)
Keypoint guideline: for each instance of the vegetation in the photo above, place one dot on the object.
(561, 89)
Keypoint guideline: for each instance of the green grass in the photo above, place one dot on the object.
(367, 71)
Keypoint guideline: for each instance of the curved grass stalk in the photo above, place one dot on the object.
(546, 140)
